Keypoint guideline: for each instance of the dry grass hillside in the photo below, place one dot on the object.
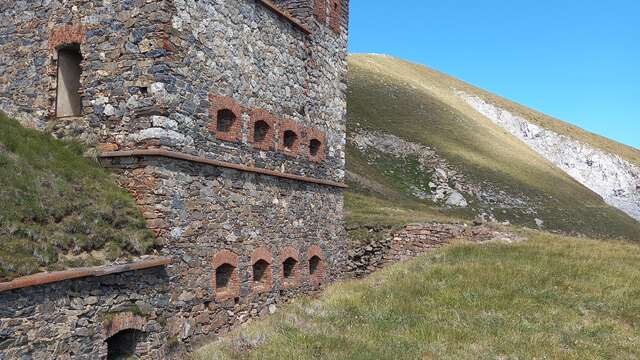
(418, 106)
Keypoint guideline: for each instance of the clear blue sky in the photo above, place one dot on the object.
(578, 61)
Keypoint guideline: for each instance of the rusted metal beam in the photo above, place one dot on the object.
(95, 271)
(224, 164)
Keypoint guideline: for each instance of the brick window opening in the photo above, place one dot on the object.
(260, 269)
(225, 120)
(260, 131)
(290, 140)
(225, 280)
(314, 147)
(68, 101)
(224, 274)
(289, 268)
(123, 344)
(314, 265)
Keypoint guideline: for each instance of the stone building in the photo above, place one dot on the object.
(226, 121)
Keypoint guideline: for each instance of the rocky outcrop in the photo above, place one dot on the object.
(616, 180)
(445, 184)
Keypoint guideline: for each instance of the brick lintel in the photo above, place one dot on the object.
(224, 164)
(95, 271)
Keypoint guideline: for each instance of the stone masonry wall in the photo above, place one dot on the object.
(72, 319)
(121, 44)
(208, 216)
(256, 61)
(411, 241)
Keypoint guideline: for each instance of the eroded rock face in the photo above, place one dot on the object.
(608, 175)
(443, 183)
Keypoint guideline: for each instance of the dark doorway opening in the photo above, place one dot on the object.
(314, 147)
(314, 264)
(123, 344)
(260, 269)
(68, 102)
(290, 139)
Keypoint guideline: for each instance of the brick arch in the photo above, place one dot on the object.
(123, 321)
(317, 266)
(262, 253)
(66, 35)
(269, 141)
(220, 261)
(315, 250)
(266, 281)
(218, 103)
(293, 280)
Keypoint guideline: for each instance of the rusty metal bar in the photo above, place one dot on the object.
(224, 164)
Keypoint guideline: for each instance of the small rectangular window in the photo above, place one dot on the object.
(68, 101)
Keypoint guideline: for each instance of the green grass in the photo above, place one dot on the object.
(60, 209)
(547, 298)
(419, 105)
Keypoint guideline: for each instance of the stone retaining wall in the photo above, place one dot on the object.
(410, 241)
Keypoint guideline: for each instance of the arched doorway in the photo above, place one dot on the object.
(123, 345)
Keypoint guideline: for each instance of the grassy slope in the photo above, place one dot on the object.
(417, 104)
(549, 297)
(58, 208)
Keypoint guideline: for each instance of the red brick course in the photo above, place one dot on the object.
(336, 15)
(269, 141)
(217, 103)
(320, 11)
(233, 289)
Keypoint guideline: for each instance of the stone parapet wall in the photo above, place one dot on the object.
(150, 70)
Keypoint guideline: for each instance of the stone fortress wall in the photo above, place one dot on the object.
(226, 121)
